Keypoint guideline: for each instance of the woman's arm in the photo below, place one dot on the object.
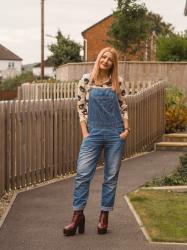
(81, 106)
(125, 133)
(84, 129)
(123, 109)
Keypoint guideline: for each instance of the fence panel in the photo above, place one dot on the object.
(37, 91)
(146, 118)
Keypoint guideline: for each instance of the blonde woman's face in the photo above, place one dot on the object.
(106, 62)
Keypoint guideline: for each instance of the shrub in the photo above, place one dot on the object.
(172, 48)
(179, 177)
(175, 110)
(12, 83)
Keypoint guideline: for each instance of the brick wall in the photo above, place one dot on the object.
(8, 95)
(96, 37)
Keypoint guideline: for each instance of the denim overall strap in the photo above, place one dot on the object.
(104, 111)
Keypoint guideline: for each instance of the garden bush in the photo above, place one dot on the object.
(12, 83)
(179, 177)
(175, 110)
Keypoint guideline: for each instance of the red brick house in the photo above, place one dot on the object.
(95, 38)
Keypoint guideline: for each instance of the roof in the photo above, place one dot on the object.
(95, 24)
(185, 10)
(47, 63)
(6, 54)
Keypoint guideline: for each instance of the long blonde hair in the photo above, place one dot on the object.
(113, 71)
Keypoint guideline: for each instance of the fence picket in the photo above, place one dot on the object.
(56, 163)
(33, 144)
(8, 134)
(42, 115)
(23, 144)
(2, 148)
(63, 136)
(51, 142)
(18, 144)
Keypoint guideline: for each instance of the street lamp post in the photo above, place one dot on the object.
(42, 39)
(185, 9)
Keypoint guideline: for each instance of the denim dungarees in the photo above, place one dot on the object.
(104, 126)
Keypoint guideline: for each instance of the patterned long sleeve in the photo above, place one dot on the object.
(82, 103)
(122, 100)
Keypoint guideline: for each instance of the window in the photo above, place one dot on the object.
(11, 65)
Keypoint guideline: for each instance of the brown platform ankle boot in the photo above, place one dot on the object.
(78, 221)
(103, 222)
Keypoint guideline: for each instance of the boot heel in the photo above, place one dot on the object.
(70, 232)
(101, 230)
(77, 222)
(103, 222)
(81, 227)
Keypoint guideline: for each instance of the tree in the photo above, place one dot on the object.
(64, 50)
(133, 25)
(158, 25)
(172, 48)
(130, 27)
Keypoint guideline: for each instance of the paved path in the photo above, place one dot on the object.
(37, 217)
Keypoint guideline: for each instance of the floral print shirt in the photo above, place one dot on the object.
(83, 97)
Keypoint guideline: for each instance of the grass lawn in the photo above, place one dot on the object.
(163, 213)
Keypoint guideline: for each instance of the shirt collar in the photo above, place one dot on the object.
(107, 82)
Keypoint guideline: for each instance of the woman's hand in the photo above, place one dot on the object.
(85, 135)
(84, 129)
(124, 134)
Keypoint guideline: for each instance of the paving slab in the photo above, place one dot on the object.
(37, 216)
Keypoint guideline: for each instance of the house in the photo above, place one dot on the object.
(49, 70)
(95, 38)
(10, 63)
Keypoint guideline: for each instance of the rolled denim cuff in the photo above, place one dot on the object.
(78, 208)
(106, 208)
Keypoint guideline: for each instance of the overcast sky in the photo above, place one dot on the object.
(20, 21)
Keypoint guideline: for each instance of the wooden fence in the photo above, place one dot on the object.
(37, 91)
(40, 139)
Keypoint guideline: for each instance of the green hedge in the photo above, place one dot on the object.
(175, 110)
(178, 177)
(12, 83)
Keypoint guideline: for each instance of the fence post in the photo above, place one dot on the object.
(2, 147)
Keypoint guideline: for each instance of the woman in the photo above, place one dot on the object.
(104, 123)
